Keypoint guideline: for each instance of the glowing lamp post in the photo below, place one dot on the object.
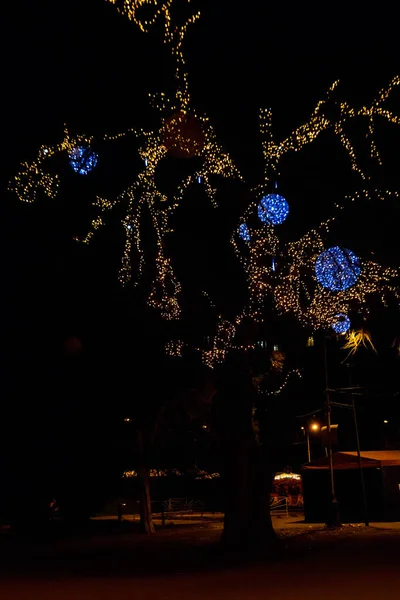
(313, 427)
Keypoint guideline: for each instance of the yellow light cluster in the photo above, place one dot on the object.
(221, 342)
(32, 179)
(277, 360)
(161, 8)
(143, 193)
(152, 473)
(285, 476)
(164, 295)
(293, 286)
(280, 389)
(154, 146)
(355, 339)
(174, 348)
(174, 35)
(131, 8)
(319, 123)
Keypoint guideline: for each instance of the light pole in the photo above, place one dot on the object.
(333, 518)
(314, 426)
(364, 493)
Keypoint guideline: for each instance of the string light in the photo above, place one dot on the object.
(337, 269)
(174, 348)
(244, 232)
(286, 476)
(32, 179)
(82, 160)
(280, 389)
(173, 35)
(153, 473)
(182, 132)
(294, 275)
(341, 323)
(320, 123)
(295, 288)
(277, 360)
(273, 208)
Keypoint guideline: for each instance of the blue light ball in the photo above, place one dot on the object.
(82, 160)
(337, 269)
(273, 209)
(244, 232)
(341, 323)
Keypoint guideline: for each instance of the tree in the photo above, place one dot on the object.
(307, 280)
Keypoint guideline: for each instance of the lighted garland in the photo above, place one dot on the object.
(287, 286)
(82, 160)
(337, 269)
(283, 385)
(244, 232)
(319, 123)
(33, 179)
(294, 284)
(160, 8)
(182, 129)
(273, 209)
(173, 35)
(142, 193)
(341, 324)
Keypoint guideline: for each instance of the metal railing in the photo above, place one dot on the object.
(182, 505)
(279, 505)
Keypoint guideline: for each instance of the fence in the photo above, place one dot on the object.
(279, 505)
(177, 506)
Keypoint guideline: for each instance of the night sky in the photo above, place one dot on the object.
(82, 64)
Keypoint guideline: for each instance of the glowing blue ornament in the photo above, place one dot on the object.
(82, 159)
(244, 232)
(337, 269)
(341, 323)
(273, 209)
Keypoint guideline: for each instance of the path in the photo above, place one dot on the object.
(352, 563)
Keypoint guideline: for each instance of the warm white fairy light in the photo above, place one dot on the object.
(283, 272)
(172, 135)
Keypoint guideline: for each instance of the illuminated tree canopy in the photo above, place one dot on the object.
(317, 283)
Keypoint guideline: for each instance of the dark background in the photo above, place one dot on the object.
(88, 67)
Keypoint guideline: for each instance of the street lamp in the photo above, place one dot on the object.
(314, 427)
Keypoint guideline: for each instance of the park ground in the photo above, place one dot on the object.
(185, 561)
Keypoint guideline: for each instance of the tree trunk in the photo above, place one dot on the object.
(247, 486)
(146, 517)
(247, 473)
